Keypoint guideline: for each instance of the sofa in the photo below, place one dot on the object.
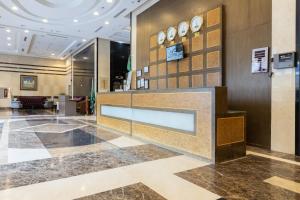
(32, 101)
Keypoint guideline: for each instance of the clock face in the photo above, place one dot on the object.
(161, 37)
(196, 23)
(183, 29)
(171, 33)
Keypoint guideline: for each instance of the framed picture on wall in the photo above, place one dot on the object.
(28, 82)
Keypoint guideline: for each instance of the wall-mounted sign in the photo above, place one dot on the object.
(138, 73)
(147, 84)
(161, 37)
(171, 33)
(146, 69)
(183, 29)
(196, 23)
(260, 60)
(285, 60)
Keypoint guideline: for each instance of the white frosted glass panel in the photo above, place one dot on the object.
(118, 112)
(175, 120)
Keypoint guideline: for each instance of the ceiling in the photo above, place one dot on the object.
(56, 28)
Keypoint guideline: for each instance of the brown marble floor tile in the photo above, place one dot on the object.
(274, 153)
(31, 172)
(132, 192)
(244, 178)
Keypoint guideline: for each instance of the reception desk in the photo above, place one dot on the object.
(196, 121)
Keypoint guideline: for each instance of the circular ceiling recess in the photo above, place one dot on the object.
(60, 12)
(60, 3)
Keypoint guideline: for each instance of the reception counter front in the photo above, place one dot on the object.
(196, 121)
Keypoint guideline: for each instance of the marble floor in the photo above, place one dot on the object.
(63, 158)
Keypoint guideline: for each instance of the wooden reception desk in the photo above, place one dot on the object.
(196, 121)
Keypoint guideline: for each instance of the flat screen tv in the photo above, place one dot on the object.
(175, 52)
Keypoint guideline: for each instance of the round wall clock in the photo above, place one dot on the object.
(196, 23)
(171, 33)
(183, 28)
(161, 37)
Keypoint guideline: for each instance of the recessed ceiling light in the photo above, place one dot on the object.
(8, 38)
(45, 20)
(106, 22)
(26, 31)
(96, 13)
(75, 20)
(15, 8)
(8, 30)
(109, 1)
(52, 54)
(85, 58)
(83, 40)
(9, 44)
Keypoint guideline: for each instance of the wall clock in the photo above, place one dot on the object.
(161, 37)
(183, 28)
(171, 33)
(196, 23)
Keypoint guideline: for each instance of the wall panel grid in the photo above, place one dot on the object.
(202, 65)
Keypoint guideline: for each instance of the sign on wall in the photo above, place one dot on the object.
(260, 60)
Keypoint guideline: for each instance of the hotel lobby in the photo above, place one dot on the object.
(149, 100)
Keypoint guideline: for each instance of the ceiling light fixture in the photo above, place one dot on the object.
(109, 1)
(9, 44)
(96, 13)
(45, 20)
(26, 31)
(106, 22)
(85, 58)
(15, 8)
(8, 38)
(8, 30)
(83, 40)
(75, 20)
(52, 54)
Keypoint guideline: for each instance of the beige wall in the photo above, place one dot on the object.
(51, 76)
(104, 65)
(283, 81)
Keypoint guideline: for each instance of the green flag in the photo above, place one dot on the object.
(129, 64)
(92, 98)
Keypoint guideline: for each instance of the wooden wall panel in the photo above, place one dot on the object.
(247, 26)
(162, 69)
(197, 43)
(197, 80)
(153, 70)
(213, 79)
(197, 62)
(184, 82)
(213, 17)
(184, 65)
(153, 56)
(230, 130)
(153, 41)
(213, 38)
(153, 84)
(172, 67)
(162, 54)
(162, 84)
(172, 83)
(213, 59)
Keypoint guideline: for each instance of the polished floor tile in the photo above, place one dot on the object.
(37, 171)
(131, 192)
(245, 178)
(63, 158)
(72, 138)
(274, 153)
